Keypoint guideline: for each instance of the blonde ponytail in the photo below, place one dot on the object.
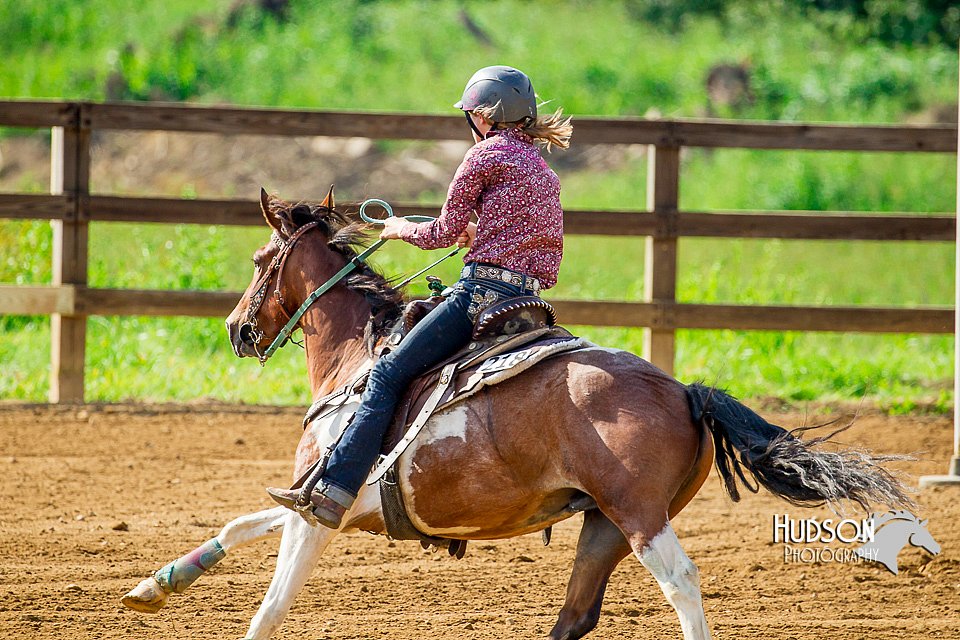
(548, 130)
(553, 129)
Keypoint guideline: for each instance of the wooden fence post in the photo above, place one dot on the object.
(70, 176)
(660, 269)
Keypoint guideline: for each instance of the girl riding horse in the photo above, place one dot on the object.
(515, 249)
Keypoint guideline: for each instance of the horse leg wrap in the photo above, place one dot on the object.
(177, 576)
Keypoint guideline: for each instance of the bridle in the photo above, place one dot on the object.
(249, 329)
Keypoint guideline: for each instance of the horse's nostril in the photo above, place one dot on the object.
(247, 333)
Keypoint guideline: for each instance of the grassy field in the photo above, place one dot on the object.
(592, 57)
(185, 359)
(376, 55)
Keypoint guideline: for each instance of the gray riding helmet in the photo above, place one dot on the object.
(508, 88)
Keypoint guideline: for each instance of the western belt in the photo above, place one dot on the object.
(490, 272)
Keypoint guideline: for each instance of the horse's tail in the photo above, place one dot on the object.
(796, 470)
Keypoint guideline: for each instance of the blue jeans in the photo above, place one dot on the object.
(443, 332)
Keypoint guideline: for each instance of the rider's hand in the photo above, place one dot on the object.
(392, 227)
(465, 239)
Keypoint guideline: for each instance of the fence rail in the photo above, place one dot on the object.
(795, 225)
(70, 207)
(75, 300)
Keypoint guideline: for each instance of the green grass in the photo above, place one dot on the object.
(183, 359)
(590, 57)
(406, 55)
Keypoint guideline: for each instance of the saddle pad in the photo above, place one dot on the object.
(480, 365)
(502, 360)
(496, 369)
(456, 386)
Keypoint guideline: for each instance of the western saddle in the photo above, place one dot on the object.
(505, 335)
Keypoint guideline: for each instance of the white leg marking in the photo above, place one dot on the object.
(300, 548)
(150, 596)
(252, 527)
(679, 579)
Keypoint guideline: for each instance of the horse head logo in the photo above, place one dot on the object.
(892, 531)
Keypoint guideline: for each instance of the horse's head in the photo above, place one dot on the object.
(899, 528)
(281, 268)
(920, 537)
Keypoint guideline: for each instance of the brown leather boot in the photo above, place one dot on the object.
(327, 504)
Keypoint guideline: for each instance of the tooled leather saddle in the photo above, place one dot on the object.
(508, 336)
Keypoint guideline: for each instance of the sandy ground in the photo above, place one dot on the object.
(174, 474)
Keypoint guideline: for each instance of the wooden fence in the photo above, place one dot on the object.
(71, 207)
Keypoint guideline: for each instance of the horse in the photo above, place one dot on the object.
(898, 529)
(595, 425)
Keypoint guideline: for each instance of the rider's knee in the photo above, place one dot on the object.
(387, 375)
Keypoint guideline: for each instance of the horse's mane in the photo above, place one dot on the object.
(348, 237)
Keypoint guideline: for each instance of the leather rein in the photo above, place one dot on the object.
(249, 329)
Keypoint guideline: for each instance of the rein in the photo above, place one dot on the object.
(288, 328)
(249, 327)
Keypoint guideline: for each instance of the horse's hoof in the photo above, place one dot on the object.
(146, 597)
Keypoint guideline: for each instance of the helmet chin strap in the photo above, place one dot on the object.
(473, 126)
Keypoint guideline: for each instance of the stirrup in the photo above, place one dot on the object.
(326, 506)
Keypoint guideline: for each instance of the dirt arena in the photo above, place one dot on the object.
(96, 498)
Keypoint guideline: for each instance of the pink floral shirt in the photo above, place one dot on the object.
(516, 196)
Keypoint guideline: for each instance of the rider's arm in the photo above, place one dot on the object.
(463, 197)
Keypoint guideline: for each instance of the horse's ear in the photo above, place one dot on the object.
(274, 220)
(328, 201)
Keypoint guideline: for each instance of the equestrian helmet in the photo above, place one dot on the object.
(506, 88)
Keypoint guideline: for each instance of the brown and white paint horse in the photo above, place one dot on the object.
(597, 422)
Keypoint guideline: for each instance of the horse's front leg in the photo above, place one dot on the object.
(300, 549)
(151, 594)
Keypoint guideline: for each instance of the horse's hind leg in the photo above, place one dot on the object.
(600, 549)
(678, 577)
(151, 594)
